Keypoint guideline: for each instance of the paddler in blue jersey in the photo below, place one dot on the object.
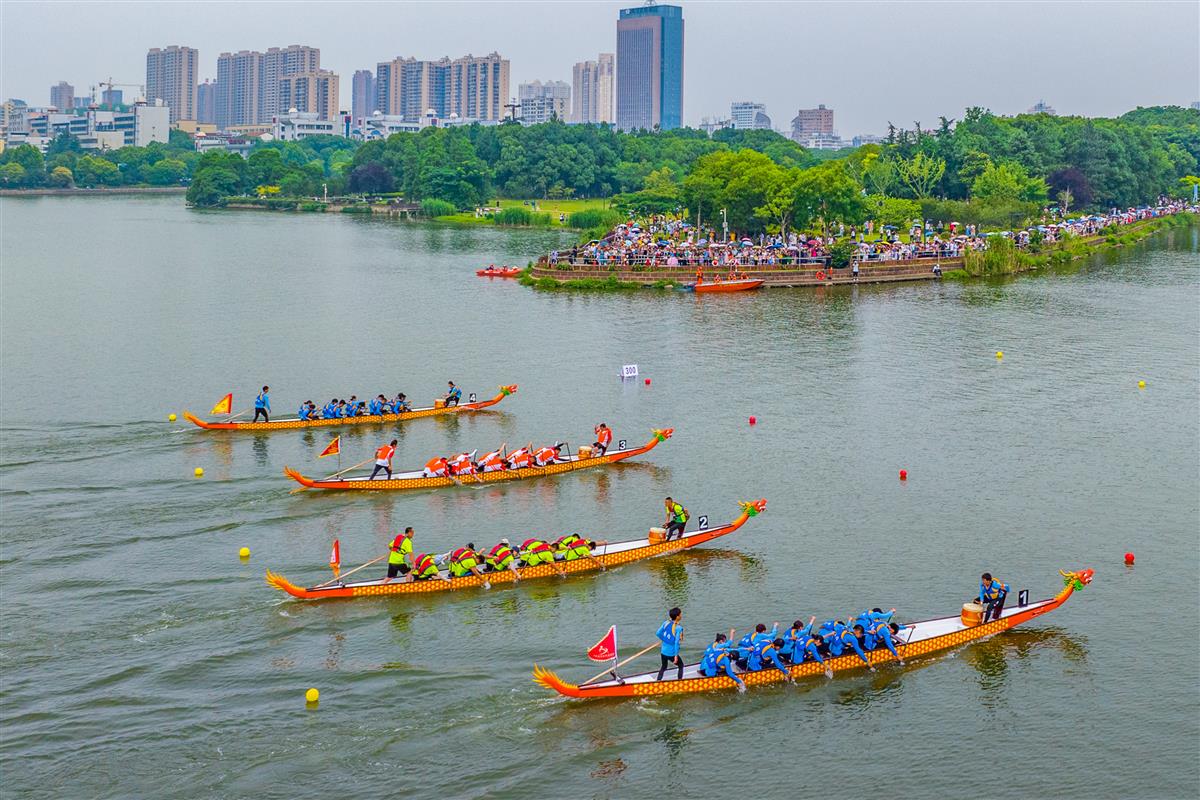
(670, 633)
(262, 405)
(717, 660)
(794, 639)
(400, 404)
(812, 649)
(881, 630)
(767, 652)
(329, 410)
(453, 394)
(308, 410)
(991, 596)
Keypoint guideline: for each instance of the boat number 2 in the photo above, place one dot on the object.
(703, 522)
(620, 444)
(471, 397)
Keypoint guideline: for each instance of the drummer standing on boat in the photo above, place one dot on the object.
(991, 596)
(677, 517)
(603, 439)
(383, 459)
(262, 405)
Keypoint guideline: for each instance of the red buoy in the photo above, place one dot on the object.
(1129, 559)
(754, 420)
(903, 474)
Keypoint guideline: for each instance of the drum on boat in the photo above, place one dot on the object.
(972, 614)
(585, 451)
(439, 403)
(657, 535)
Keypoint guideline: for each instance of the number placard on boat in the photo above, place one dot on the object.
(702, 521)
(621, 444)
(471, 397)
(1023, 598)
(629, 371)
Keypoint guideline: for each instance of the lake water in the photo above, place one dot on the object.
(141, 658)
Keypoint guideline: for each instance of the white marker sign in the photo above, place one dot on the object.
(629, 371)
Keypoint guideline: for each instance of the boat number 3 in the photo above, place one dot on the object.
(620, 444)
(471, 397)
(703, 522)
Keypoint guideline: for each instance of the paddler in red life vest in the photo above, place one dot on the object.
(491, 462)
(462, 464)
(465, 561)
(436, 468)
(603, 439)
(400, 553)
(518, 459)
(544, 456)
(383, 459)
(425, 568)
(503, 557)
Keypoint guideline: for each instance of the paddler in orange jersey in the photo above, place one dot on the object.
(436, 468)
(465, 561)
(400, 553)
(503, 557)
(518, 459)
(603, 439)
(491, 462)
(383, 459)
(545, 456)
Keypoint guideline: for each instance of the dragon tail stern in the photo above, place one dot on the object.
(547, 679)
(192, 418)
(297, 477)
(284, 585)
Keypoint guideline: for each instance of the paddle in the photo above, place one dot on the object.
(351, 572)
(623, 663)
(240, 414)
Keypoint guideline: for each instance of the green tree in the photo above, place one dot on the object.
(166, 172)
(61, 177)
(211, 186)
(95, 171)
(12, 175)
(921, 173)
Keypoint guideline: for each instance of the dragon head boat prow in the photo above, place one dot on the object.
(509, 389)
(753, 509)
(548, 680)
(662, 434)
(1077, 580)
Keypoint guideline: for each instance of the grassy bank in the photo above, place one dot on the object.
(1003, 258)
(591, 284)
(546, 215)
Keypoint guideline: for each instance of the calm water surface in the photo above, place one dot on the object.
(141, 658)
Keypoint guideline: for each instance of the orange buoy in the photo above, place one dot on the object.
(903, 474)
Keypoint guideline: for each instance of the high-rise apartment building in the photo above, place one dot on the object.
(276, 63)
(810, 121)
(236, 98)
(592, 85)
(470, 87)
(650, 67)
(206, 103)
(62, 96)
(542, 102)
(315, 92)
(362, 95)
(171, 76)
(247, 90)
(747, 116)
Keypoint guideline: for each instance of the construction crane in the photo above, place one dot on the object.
(141, 87)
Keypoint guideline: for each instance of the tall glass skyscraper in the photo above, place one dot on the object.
(650, 67)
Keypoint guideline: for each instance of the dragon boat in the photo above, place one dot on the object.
(919, 639)
(415, 479)
(362, 419)
(739, 285)
(613, 554)
(498, 272)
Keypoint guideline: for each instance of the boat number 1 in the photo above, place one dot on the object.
(620, 444)
(471, 397)
(1023, 598)
(703, 522)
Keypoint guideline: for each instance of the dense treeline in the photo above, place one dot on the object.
(983, 168)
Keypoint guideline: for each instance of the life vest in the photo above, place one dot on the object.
(579, 549)
(565, 541)
(544, 456)
(604, 436)
(436, 466)
(492, 462)
(518, 459)
(461, 465)
(424, 566)
(385, 453)
(535, 551)
(462, 561)
(500, 556)
(992, 592)
(400, 545)
(679, 513)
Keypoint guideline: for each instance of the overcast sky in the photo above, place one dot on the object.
(870, 61)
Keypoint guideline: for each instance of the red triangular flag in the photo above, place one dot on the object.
(335, 558)
(333, 448)
(606, 648)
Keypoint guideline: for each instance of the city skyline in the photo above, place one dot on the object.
(869, 90)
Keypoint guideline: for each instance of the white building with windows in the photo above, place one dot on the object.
(747, 116)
